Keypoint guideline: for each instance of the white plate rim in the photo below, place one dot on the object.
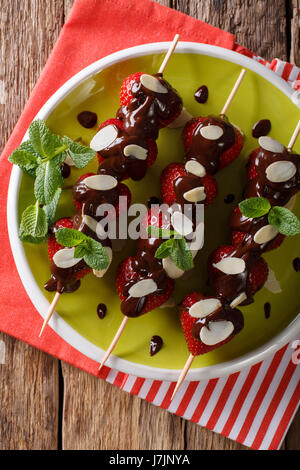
(36, 296)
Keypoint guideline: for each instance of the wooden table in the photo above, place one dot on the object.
(38, 406)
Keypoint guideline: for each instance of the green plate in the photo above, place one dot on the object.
(256, 99)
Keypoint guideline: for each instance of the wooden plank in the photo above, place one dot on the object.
(295, 31)
(29, 378)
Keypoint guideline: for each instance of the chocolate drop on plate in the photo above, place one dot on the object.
(156, 343)
(87, 119)
(152, 201)
(229, 198)
(296, 264)
(261, 128)
(65, 170)
(201, 95)
(101, 311)
(267, 309)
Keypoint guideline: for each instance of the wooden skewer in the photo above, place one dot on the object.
(114, 342)
(233, 92)
(50, 312)
(169, 53)
(294, 137)
(183, 374)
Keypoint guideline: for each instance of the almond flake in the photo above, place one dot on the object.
(142, 288)
(197, 241)
(281, 171)
(64, 258)
(194, 167)
(211, 132)
(152, 83)
(195, 194)
(272, 284)
(270, 144)
(265, 234)
(100, 182)
(217, 332)
(105, 137)
(204, 307)
(171, 269)
(135, 151)
(231, 265)
(238, 300)
(90, 222)
(101, 272)
(181, 223)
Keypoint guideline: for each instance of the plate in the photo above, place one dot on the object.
(262, 95)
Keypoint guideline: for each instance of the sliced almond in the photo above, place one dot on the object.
(270, 144)
(135, 151)
(204, 307)
(90, 222)
(217, 332)
(238, 300)
(101, 272)
(231, 265)
(281, 171)
(68, 160)
(105, 137)
(64, 258)
(181, 223)
(171, 269)
(211, 132)
(291, 203)
(181, 120)
(194, 167)
(197, 241)
(195, 194)
(272, 284)
(152, 83)
(142, 288)
(100, 232)
(100, 182)
(265, 234)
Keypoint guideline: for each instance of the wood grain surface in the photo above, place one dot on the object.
(39, 408)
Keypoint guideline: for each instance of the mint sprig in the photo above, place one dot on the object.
(93, 252)
(281, 218)
(41, 157)
(176, 247)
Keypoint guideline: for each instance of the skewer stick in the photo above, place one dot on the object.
(183, 374)
(50, 312)
(294, 137)
(233, 92)
(114, 342)
(169, 53)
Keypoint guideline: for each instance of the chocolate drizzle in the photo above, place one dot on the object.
(136, 124)
(201, 95)
(225, 313)
(156, 343)
(261, 128)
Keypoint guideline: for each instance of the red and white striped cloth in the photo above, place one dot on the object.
(254, 407)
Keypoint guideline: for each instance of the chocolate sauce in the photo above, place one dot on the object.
(229, 198)
(296, 264)
(225, 313)
(87, 119)
(137, 124)
(152, 201)
(101, 311)
(65, 170)
(201, 95)
(261, 128)
(156, 343)
(267, 310)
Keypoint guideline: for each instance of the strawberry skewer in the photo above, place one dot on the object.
(144, 280)
(238, 272)
(126, 147)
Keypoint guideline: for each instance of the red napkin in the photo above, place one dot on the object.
(94, 29)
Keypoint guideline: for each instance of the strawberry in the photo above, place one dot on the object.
(228, 156)
(195, 346)
(53, 246)
(176, 170)
(78, 204)
(217, 255)
(251, 170)
(127, 273)
(238, 237)
(258, 275)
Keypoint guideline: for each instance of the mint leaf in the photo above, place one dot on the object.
(96, 256)
(50, 209)
(164, 250)
(28, 238)
(80, 154)
(41, 139)
(27, 161)
(48, 179)
(284, 220)
(182, 255)
(70, 237)
(34, 221)
(80, 250)
(159, 232)
(254, 207)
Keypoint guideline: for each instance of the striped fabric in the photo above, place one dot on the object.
(253, 407)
